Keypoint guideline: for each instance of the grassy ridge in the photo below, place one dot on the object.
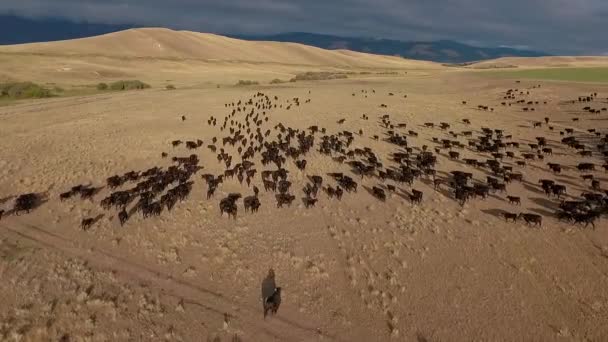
(555, 74)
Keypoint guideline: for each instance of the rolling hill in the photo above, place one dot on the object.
(161, 43)
(183, 58)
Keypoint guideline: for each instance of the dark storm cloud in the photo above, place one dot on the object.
(558, 26)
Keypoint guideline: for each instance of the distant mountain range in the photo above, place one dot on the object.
(444, 51)
(18, 30)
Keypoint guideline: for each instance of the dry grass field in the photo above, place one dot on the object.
(355, 269)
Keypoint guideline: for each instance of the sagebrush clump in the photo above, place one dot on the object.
(24, 90)
(318, 76)
(247, 83)
(129, 85)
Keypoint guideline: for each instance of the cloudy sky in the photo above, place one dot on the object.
(555, 26)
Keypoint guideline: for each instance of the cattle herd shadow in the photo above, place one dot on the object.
(6, 199)
(545, 203)
(498, 213)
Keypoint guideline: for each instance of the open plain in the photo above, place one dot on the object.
(375, 265)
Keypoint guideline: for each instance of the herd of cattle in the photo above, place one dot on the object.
(250, 142)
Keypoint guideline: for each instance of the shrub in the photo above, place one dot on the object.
(170, 87)
(247, 83)
(277, 81)
(23, 90)
(129, 85)
(102, 86)
(318, 76)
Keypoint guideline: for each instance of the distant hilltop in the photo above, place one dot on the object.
(162, 43)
